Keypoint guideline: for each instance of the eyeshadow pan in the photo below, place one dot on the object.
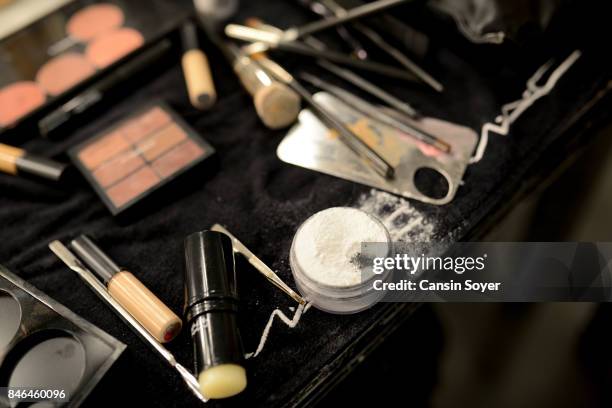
(119, 167)
(161, 141)
(19, 99)
(112, 46)
(139, 155)
(178, 158)
(106, 147)
(10, 318)
(141, 127)
(94, 20)
(62, 73)
(132, 186)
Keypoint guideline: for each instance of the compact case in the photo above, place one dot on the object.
(139, 155)
(59, 55)
(46, 347)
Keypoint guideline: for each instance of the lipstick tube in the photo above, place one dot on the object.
(16, 161)
(126, 289)
(211, 312)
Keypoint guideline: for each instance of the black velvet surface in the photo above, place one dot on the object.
(262, 201)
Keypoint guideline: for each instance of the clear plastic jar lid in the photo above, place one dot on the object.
(336, 296)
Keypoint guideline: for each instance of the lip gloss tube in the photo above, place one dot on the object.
(211, 312)
(16, 161)
(125, 288)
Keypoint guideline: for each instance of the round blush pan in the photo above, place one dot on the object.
(112, 46)
(18, 99)
(63, 72)
(92, 21)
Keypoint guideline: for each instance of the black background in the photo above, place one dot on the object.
(262, 201)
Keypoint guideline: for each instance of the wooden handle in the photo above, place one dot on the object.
(144, 306)
(198, 78)
(8, 158)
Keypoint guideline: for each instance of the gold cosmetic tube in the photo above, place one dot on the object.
(16, 161)
(133, 295)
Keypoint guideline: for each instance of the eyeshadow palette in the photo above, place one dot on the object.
(45, 346)
(139, 155)
(55, 57)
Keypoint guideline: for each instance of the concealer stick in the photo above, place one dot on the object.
(126, 289)
(16, 161)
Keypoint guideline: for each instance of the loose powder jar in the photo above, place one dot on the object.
(327, 262)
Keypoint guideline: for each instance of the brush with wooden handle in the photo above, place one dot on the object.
(198, 78)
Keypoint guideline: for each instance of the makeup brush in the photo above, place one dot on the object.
(263, 40)
(16, 161)
(372, 111)
(367, 9)
(196, 70)
(367, 86)
(334, 8)
(95, 285)
(319, 9)
(259, 264)
(276, 105)
(370, 156)
(344, 73)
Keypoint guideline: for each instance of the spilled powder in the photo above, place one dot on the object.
(328, 245)
(403, 221)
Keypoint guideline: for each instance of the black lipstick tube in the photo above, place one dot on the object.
(211, 309)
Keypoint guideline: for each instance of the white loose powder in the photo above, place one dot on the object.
(402, 220)
(329, 243)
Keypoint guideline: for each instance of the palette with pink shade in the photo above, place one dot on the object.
(72, 48)
(139, 155)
